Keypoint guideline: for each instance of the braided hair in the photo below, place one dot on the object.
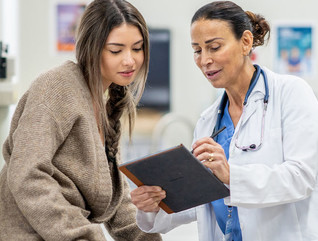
(119, 99)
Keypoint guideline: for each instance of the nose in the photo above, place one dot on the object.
(128, 59)
(206, 58)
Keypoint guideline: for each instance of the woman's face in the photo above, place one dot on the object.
(217, 52)
(122, 56)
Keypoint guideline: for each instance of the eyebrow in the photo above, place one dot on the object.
(118, 44)
(207, 42)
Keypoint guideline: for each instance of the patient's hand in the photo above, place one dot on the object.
(147, 198)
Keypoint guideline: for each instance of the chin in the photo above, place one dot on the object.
(123, 83)
(217, 84)
(214, 84)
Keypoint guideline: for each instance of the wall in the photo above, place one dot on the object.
(191, 93)
(187, 81)
(177, 15)
(35, 42)
(1, 19)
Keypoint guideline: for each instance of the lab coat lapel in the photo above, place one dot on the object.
(257, 95)
(208, 120)
(249, 111)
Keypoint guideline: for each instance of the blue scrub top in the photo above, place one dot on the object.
(220, 209)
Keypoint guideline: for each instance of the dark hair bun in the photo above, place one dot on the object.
(260, 28)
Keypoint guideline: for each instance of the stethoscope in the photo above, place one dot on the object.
(251, 147)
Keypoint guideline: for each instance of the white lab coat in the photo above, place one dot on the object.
(274, 188)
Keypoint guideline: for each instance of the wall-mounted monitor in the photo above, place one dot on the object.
(157, 90)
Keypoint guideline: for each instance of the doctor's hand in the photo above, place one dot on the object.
(147, 198)
(212, 155)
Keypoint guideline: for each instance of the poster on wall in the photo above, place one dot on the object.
(66, 17)
(294, 51)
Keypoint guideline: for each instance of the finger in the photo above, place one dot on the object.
(205, 147)
(154, 200)
(203, 140)
(208, 156)
(152, 208)
(148, 204)
(208, 146)
(144, 197)
(208, 165)
(145, 189)
(151, 195)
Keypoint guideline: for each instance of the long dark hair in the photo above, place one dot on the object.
(98, 20)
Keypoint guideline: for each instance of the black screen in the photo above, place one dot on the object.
(157, 90)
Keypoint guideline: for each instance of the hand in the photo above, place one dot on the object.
(212, 155)
(147, 198)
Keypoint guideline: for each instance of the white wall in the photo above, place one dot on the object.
(1, 19)
(191, 93)
(35, 34)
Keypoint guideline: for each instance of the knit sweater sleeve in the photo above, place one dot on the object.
(122, 226)
(31, 181)
(36, 138)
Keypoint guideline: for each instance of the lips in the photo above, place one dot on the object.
(127, 73)
(211, 73)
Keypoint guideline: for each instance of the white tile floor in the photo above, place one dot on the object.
(186, 232)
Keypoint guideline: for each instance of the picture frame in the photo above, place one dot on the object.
(64, 17)
(294, 48)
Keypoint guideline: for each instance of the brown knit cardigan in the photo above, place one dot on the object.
(57, 183)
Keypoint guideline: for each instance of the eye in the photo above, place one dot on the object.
(115, 52)
(214, 47)
(137, 49)
(197, 51)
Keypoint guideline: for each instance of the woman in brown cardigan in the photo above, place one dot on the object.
(61, 179)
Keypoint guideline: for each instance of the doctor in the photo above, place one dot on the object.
(268, 153)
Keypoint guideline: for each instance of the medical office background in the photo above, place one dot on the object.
(28, 32)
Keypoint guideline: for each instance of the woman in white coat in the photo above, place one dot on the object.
(268, 153)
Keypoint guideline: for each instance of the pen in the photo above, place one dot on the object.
(215, 133)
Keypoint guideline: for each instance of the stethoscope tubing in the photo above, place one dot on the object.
(224, 99)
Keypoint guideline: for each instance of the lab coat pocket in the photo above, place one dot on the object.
(273, 147)
(270, 151)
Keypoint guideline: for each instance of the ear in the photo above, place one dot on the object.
(247, 42)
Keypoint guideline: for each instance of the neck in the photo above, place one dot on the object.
(236, 93)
